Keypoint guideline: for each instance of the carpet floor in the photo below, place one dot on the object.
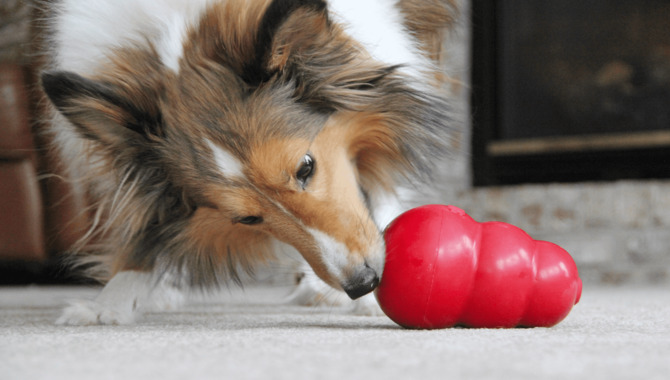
(613, 333)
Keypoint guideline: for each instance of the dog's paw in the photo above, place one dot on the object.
(311, 291)
(309, 295)
(83, 313)
(166, 299)
(367, 306)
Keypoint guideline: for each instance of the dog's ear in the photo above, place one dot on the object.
(286, 28)
(401, 136)
(429, 21)
(100, 110)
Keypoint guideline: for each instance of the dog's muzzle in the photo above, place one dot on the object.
(362, 283)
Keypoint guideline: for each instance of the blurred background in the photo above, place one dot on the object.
(39, 218)
(563, 130)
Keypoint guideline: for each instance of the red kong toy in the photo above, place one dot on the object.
(445, 269)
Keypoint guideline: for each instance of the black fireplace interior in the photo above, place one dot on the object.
(570, 90)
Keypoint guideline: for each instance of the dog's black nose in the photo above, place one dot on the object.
(362, 283)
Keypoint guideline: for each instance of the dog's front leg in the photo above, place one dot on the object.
(117, 303)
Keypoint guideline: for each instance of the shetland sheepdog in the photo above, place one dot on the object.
(207, 134)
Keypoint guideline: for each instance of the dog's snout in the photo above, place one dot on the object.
(362, 283)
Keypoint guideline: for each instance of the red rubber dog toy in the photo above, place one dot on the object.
(445, 269)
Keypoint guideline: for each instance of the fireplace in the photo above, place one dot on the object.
(570, 90)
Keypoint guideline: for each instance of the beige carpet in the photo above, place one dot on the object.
(613, 333)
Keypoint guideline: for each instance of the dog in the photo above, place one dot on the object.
(209, 134)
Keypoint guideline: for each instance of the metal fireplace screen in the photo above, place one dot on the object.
(571, 90)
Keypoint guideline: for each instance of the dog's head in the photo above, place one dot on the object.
(276, 124)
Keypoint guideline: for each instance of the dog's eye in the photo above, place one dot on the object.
(249, 220)
(306, 170)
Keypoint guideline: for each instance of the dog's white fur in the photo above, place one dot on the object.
(87, 30)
